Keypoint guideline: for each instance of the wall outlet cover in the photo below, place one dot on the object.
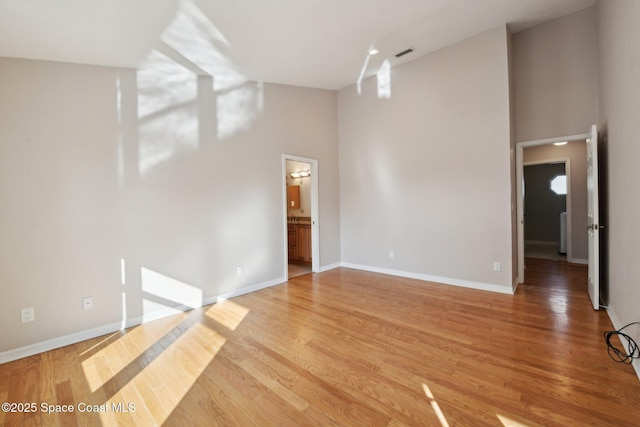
(27, 315)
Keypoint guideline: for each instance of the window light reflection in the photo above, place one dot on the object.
(227, 313)
(179, 366)
(508, 422)
(384, 80)
(435, 406)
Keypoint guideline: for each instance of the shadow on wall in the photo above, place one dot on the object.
(178, 103)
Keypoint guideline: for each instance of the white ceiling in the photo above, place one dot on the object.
(312, 43)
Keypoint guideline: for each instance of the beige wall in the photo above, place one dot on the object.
(555, 78)
(99, 165)
(426, 173)
(576, 152)
(619, 52)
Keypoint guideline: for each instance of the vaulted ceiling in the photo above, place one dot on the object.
(312, 43)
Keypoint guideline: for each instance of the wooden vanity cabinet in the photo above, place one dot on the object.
(304, 242)
(293, 241)
(299, 241)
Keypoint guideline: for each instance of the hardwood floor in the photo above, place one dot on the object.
(347, 348)
(296, 270)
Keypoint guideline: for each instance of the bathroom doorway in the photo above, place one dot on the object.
(300, 182)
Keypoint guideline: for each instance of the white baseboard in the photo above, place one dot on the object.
(41, 347)
(617, 325)
(578, 261)
(245, 290)
(330, 267)
(514, 285)
(52, 344)
(429, 278)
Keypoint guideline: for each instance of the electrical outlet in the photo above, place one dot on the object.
(27, 315)
(239, 270)
(87, 303)
(497, 266)
(392, 255)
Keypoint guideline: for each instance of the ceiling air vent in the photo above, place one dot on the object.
(404, 52)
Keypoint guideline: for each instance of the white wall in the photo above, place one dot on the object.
(555, 74)
(576, 152)
(183, 183)
(426, 173)
(619, 53)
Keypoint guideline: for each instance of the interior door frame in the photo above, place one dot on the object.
(520, 146)
(593, 218)
(315, 230)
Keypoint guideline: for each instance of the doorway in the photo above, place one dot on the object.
(576, 204)
(301, 216)
(547, 196)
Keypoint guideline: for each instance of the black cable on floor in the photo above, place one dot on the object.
(618, 355)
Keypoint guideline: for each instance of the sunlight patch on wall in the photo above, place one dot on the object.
(238, 108)
(166, 111)
(123, 280)
(383, 76)
(363, 71)
(384, 80)
(194, 37)
(123, 272)
(202, 45)
(163, 85)
(120, 142)
(173, 117)
(166, 294)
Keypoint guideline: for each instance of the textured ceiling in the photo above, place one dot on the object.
(312, 43)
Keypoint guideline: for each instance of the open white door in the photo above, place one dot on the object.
(593, 227)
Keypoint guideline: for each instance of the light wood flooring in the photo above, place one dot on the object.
(296, 270)
(348, 348)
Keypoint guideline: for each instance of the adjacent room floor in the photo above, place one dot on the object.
(296, 270)
(532, 250)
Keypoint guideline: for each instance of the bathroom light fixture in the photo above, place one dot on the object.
(561, 143)
(301, 174)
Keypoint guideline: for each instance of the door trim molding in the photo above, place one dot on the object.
(315, 220)
(520, 146)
